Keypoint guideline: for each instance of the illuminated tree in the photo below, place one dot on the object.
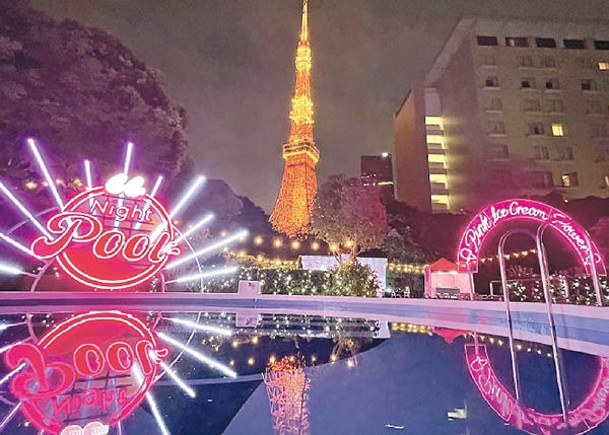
(288, 389)
(349, 216)
(82, 94)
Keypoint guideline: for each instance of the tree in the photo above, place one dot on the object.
(83, 95)
(349, 215)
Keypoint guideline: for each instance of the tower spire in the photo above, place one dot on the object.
(304, 29)
(292, 212)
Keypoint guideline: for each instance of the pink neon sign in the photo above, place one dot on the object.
(591, 412)
(487, 220)
(110, 237)
(84, 368)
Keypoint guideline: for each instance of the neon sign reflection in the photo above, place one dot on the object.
(83, 369)
(591, 412)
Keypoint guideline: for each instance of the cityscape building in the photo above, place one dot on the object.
(509, 108)
(378, 171)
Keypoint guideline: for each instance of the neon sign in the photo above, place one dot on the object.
(93, 428)
(468, 253)
(110, 237)
(96, 365)
(591, 412)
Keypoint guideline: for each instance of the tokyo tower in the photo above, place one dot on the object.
(292, 212)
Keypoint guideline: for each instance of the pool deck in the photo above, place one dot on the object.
(579, 328)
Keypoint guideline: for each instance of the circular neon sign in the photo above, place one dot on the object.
(110, 240)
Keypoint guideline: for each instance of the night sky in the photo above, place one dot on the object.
(230, 63)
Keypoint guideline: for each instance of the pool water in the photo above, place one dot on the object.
(296, 374)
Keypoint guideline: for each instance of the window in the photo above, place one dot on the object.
(601, 45)
(491, 82)
(536, 129)
(603, 65)
(516, 42)
(565, 153)
(558, 130)
(526, 61)
(496, 127)
(585, 62)
(547, 62)
(555, 106)
(601, 151)
(541, 179)
(588, 85)
(545, 42)
(541, 153)
(493, 104)
(577, 44)
(495, 151)
(527, 83)
(593, 107)
(570, 179)
(552, 84)
(531, 105)
(606, 179)
(487, 40)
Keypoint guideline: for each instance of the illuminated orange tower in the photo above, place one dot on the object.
(292, 212)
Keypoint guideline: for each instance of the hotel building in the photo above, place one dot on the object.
(509, 108)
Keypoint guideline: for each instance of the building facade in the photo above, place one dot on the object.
(509, 108)
(378, 171)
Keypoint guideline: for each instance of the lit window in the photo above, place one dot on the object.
(603, 65)
(570, 179)
(606, 180)
(516, 42)
(558, 130)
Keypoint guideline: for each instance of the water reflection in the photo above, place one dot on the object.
(296, 374)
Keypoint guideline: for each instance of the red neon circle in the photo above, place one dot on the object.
(116, 252)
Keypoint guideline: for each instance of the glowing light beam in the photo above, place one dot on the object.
(15, 244)
(45, 171)
(210, 273)
(24, 210)
(128, 155)
(12, 270)
(88, 175)
(206, 328)
(9, 416)
(179, 382)
(189, 193)
(139, 378)
(199, 356)
(8, 346)
(12, 373)
(219, 244)
(195, 227)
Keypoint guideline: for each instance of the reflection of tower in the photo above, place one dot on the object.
(292, 211)
(287, 387)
